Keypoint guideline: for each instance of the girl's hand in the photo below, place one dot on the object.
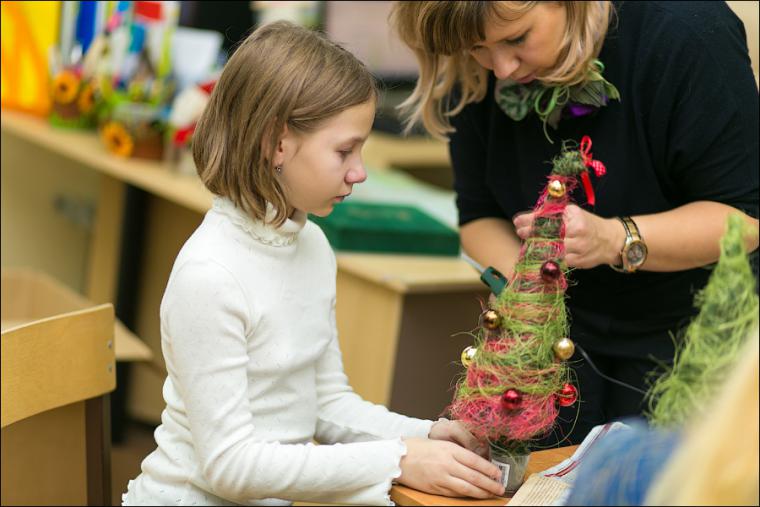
(454, 431)
(444, 468)
(590, 240)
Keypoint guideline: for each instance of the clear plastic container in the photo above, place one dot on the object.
(512, 469)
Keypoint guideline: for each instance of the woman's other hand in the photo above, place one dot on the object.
(454, 431)
(590, 240)
(445, 468)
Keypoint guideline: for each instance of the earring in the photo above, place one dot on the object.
(278, 168)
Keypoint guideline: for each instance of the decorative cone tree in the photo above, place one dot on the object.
(710, 346)
(517, 376)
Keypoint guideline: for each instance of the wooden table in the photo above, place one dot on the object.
(539, 460)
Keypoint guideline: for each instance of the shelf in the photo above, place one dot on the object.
(85, 147)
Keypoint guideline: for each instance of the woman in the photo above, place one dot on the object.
(667, 95)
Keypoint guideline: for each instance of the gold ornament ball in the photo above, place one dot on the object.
(490, 319)
(468, 356)
(556, 189)
(564, 349)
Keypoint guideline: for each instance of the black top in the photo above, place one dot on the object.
(685, 129)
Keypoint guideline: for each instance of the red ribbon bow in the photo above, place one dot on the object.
(596, 165)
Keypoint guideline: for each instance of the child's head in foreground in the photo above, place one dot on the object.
(285, 124)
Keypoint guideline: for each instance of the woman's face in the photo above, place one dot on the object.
(525, 48)
(319, 169)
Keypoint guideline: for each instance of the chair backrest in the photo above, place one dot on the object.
(57, 374)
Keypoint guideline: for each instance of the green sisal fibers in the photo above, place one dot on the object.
(728, 310)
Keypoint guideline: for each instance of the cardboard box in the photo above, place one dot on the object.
(390, 228)
(29, 295)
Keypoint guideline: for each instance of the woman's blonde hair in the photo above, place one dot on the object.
(717, 464)
(441, 33)
(280, 75)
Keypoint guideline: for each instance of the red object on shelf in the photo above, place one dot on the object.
(182, 135)
(149, 11)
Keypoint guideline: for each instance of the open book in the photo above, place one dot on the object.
(552, 486)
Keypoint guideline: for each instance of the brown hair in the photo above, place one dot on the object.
(282, 74)
(441, 33)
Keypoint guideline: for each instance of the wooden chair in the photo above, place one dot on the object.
(57, 374)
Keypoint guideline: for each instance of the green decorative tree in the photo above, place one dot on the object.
(517, 375)
(709, 347)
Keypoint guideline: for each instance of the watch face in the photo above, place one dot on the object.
(636, 253)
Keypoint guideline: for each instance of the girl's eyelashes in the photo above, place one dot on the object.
(344, 153)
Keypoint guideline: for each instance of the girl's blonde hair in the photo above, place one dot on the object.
(441, 33)
(717, 463)
(281, 75)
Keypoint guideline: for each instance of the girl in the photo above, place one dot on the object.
(666, 92)
(248, 316)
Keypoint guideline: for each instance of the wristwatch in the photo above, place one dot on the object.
(634, 251)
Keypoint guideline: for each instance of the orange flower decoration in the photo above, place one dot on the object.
(86, 100)
(117, 139)
(65, 87)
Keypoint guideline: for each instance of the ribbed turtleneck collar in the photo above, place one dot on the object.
(263, 232)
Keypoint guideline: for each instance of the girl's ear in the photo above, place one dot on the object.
(283, 151)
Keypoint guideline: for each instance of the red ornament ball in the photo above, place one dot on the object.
(550, 272)
(511, 399)
(568, 395)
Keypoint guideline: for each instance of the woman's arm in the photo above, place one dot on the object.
(682, 238)
(491, 242)
(688, 236)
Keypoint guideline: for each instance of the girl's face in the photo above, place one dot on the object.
(319, 169)
(525, 48)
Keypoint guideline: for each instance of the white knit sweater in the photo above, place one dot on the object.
(255, 373)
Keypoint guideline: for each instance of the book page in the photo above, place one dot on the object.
(540, 490)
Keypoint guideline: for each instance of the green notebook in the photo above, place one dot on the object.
(391, 228)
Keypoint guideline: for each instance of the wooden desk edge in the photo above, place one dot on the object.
(539, 460)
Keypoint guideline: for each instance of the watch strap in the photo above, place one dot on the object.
(631, 228)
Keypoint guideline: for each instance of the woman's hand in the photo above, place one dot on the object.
(454, 431)
(444, 468)
(590, 240)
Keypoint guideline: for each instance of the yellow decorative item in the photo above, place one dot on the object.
(556, 189)
(29, 30)
(117, 139)
(135, 130)
(564, 349)
(74, 100)
(468, 356)
(491, 319)
(86, 100)
(65, 87)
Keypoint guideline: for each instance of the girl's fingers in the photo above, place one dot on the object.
(463, 437)
(463, 487)
(476, 463)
